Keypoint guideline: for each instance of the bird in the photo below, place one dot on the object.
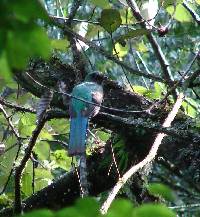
(90, 91)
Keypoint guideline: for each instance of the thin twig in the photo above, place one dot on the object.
(16, 107)
(107, 55)
(149, 158)
(156, 47)
(20, 168)
(15, 132)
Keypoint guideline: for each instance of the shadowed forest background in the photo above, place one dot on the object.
(146, 65)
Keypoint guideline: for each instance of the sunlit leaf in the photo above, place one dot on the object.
(139, 89)
(141, 47)
(120, 50)
(181, 14)
(61, 159)
(190, 107)
(42, 150)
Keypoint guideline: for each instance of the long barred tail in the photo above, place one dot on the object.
(78, 130)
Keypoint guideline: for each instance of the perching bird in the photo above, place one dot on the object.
(81, 112)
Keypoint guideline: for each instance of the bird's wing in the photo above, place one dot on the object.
(92, 110)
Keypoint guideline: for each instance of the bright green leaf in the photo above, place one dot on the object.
(120, 50)
(153, 210)
(181, 14)
(39, 213)
(61, 159)
(69, 212)
(83, 204)
(159, 189)
(60, 44)
(190, 107)
(139, 89)
(5, 71)
(120, 207)
(42, 150)
(141, 47)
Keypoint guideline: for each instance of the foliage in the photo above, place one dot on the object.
(89, 207)
(28, 33)
(20, 36)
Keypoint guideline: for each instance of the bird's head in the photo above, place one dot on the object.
(95, 77)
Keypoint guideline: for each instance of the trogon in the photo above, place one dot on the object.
(90, 91)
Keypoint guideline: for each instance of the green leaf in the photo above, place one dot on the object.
(159, 189)
(121, 208)
(69, 212)
(4, 200)
(26, 124)
(110, 20)
(141, 47)
(102, 4)
(26, 184)
(120, 50)
(5, 71)
(83, 204)
(104, 136)
(24, 43)
(139, 89)
(61, 159)
(42, 150)
(181, 14)
(27, 179)
(153, 210)
(28, 10)
(190, 107)
(60, 44)
(42, 178)
(132, 34)
(39, 213)
(167, 3)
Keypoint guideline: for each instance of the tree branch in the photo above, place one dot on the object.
(149, 158)
(20, 168)
(106, 54)
(192, 12)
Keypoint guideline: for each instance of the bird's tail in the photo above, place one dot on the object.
(77, 138)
